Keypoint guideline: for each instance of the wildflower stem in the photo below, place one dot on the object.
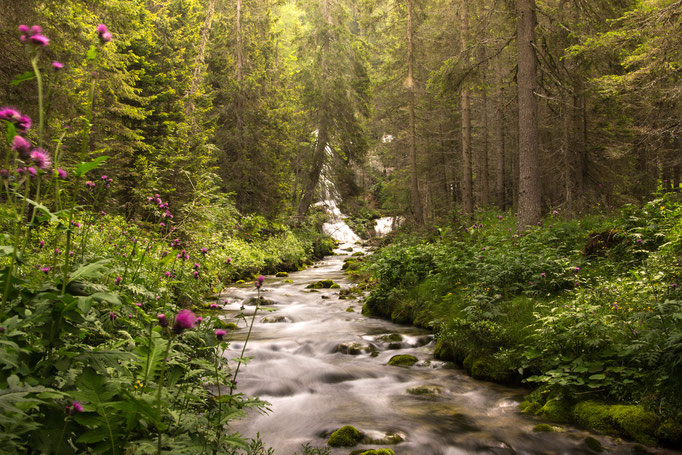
(158, 394)
(241, 356)
(41, 114)
(15, 243)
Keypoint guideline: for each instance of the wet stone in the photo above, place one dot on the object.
(274, 319)
(404, 360)
(425, 390)
(255, 301)
(354, 348)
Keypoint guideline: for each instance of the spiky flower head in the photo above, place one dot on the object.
(220, 334)
(21, 146)
(163, 320)
(185, 319)
(41, 158)
(57, 65)
(62, 174)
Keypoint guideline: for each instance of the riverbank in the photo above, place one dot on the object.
(583, 311)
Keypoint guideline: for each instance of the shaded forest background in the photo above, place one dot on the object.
(410, 107)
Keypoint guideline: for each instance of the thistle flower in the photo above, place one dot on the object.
(75, 407)
(113, 316)
(61, 173)
(57, 65)
(23, 29)
(104, 35)
(118, 280)
(21, 122)
(213, 306)
(204, 251)
(220, 334)
(42, 243)
(39, 40)
(163, 320)
(185, 319)
(21, 146)
(543, 274)
(41, 158)
(45, 270)
(32, 172)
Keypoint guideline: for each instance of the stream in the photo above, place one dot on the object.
(322, 365)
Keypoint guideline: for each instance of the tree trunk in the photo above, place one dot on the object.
(417, 211)
(483, 168)
(529, 170)
(199, 60)
(499, 134)
(319, 158)
(467, 177)
(240, 49)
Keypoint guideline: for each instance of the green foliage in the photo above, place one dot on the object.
(544, 306)
(346, 436)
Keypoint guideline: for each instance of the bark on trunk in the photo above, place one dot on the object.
(200, 58)
(529, 171)
(467, 177)
(499, 135)
(417, 211)
(483, 168)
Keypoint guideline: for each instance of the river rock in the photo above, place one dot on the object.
(263, 301)
(354, 348)
(323, 284)
(281, 274)
(274, 319)
(390, 337)
(379, 439)
(346, 436)
(373, 452)
(425, 390)
(403, 360)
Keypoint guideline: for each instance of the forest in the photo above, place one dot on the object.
(341, 226)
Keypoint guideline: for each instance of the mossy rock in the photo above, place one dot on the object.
(442, 350)
(335, 286)
(670, 433)
(556, 409)
(428, 390)
(487, 368)
(403, 360)
(546, 428)
(256, 301)
(374, 452)
(631, 421)
(529, 407)
(323, 284)
(346, 436)
(391, 337)
(220, 324)
(288, 281)
(358, 253)
(353, 348)
(281, 274)
(240, 282)
(350, 310)
(593, 444)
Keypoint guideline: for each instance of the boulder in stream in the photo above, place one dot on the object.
(274, 319)
(354, 348)
(425, 390)
(346, 436)
(323, 284)
(281, 274)
(373, 452)
(403, 360)
(255, 301)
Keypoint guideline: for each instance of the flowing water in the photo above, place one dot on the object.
(322, 366)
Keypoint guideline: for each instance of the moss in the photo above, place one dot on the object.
(323, 284)
(335, 286)
(631, 421)
(546, 428)
(529, 407)
(391, 337)
(240, 282)
(556, 409)
(350, 310)
(670, 433)
(281, 274)
(346, 436)
(358, 253)
(288, 281)
(378, 452)
(431, 390)
(593, 444)
(442, 350)
(403, 360)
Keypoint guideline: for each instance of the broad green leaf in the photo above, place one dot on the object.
(27, 76)
(84, 168)
(10, 132)
(90, 271)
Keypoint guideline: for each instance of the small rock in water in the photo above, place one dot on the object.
(281, 274)
(323, 284)
(256, 301)
(403, 360)
(546, 428)
(274, 319)
(396, 337)
(376, 438)
(355, 348)
(346, 436)
(429, 390)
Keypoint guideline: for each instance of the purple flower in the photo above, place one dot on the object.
(220, 333)
(196, 275)
(21, 146)
(103, 32)
(139, 305)
(674, 285)
(168, 274)
(199, 320)
(42, 243)
(227, 302)
(185, 319)
(32, 172)
(499, 217)
(57, 65)
(204, 250)
(35, 29)
(577, 269)
(118, 280)
(639, 240)
(196, 266)
(75, 407)
(543, 274)
(163, 320)
(45, 270)
(555, 212)
(228, 261)
(213, 306)
(23, 29)
(39, 40)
